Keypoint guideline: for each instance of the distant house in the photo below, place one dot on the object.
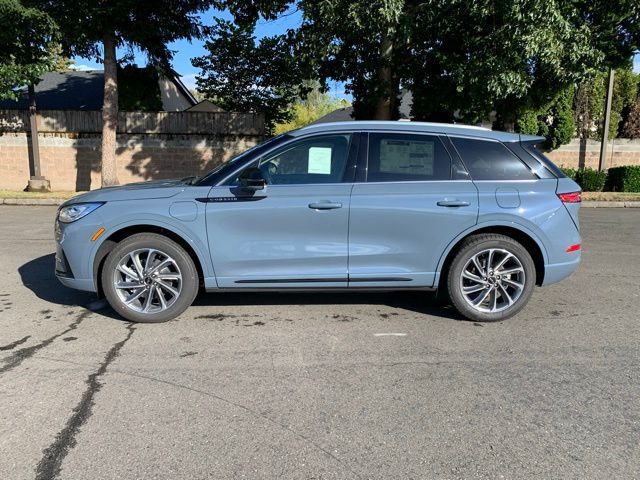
(205, 106)
(83, 90)
(346, 114)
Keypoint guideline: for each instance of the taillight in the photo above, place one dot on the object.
(573, 197)
(573, 248)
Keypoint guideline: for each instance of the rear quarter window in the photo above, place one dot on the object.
(491, 160)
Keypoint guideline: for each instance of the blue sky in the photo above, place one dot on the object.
(185, 51)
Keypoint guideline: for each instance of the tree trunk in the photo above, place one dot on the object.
(385, 105)
(109, 113)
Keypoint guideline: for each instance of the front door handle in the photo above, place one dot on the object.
(325, 205)
(453, 203)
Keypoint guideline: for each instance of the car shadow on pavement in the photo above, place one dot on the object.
(39, 277)
(426, 303)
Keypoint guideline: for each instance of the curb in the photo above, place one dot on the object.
(612, 204)
(32, 201)
(60, 201)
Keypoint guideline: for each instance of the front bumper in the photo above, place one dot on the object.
(74, 251)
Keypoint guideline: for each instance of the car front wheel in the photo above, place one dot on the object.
(149, 278)
(491, 278)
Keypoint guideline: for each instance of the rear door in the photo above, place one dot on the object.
(412, 202)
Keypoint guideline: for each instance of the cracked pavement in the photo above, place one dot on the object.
(324, 386)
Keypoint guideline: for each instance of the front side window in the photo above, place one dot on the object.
(308, 161)
(399, 157)
(491, 160)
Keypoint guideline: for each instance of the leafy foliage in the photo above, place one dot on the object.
(631, 128)
(26, 36)
(590, 103)
(139, 89)
(591, 180)
(554, 120)
(148, 26)
(624, 179)
(242, 74)
(460, 59)
(309, 109)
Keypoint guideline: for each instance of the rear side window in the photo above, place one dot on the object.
(541, 157)
(488, 160)
(397, 157)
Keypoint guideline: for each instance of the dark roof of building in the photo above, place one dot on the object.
(74, 90)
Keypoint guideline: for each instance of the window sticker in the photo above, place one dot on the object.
(319, 160)
(408, 157)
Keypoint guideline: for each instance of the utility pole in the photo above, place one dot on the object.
(607, 121)
(37, 183)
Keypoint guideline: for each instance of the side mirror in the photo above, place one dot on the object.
(252, 179)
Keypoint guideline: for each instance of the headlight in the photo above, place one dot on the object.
(74, 212)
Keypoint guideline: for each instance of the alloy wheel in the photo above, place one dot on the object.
(492, 280)
(147, 280)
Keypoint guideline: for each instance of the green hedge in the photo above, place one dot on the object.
(591, 180)
(570, 172)
(624, 179)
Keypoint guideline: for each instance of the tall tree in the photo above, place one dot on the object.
(26, 36)
(240, 73)
(98, 28)
(461, 59)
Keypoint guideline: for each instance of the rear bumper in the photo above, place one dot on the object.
(559, 271)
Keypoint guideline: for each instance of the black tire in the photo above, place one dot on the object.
(473, 246)
(185, 266)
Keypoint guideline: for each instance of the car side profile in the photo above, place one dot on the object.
(482, 215)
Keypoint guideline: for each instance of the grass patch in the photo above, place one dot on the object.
(611, 196)
(20, 194)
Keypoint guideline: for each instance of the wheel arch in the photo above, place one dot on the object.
(117, 236)
(525, 237)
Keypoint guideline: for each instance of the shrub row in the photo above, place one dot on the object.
(617, 179)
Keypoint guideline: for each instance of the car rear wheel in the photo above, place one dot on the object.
(491, 278)
(149, 278)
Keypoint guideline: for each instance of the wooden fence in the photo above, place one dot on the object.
(188, 123)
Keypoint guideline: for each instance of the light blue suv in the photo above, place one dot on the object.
(480, 214)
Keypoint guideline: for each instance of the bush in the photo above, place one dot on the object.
(590, 180)
(624, 179)
(570, 172)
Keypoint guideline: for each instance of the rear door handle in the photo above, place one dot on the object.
(453, 203)
(325, 205)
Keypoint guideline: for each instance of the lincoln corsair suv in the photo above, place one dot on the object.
(481, 215)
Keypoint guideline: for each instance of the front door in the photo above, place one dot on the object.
(294, 232)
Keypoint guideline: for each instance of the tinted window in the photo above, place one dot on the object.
(225, 169)
(397, 157)
(314, 160)
(541, 157)
(488, 160)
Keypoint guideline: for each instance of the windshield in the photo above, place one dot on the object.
(226, 168)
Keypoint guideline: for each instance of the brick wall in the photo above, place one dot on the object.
(621, 151)
(72, 161)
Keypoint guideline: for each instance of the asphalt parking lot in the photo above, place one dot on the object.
(321, 386)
